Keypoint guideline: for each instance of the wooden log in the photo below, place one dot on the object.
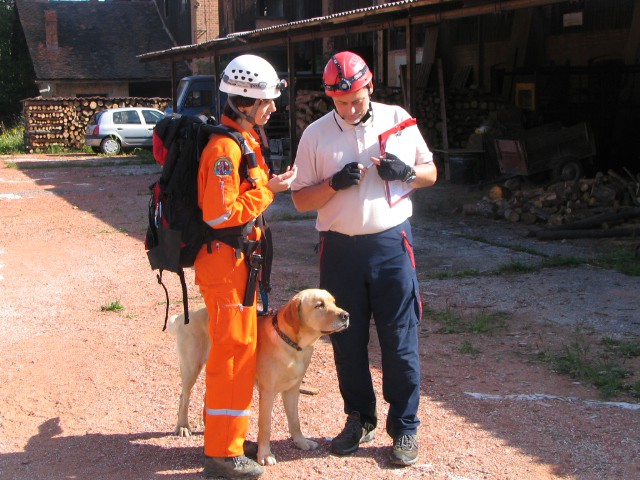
(607, 217)
(483, 208)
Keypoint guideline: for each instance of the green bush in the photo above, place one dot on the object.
(11, 140)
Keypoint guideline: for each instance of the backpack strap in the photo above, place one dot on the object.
(249, 159)
(166, 294)
(185, 297)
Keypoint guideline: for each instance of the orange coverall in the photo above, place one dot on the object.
(222, 277)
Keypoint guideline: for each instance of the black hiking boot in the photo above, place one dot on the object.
(354, 433)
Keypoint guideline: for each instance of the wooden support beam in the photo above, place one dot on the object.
(633, 42)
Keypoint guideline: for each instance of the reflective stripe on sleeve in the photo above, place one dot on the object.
(219, 220)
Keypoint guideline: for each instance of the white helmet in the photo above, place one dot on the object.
(251, 76)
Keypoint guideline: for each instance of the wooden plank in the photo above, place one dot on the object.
(633, 41)
(423, 71)
(443, 114)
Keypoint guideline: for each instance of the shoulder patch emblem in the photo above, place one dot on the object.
(223, 167)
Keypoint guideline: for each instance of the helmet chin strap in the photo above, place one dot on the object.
(364, 118)
(250, 117)
(241, 114)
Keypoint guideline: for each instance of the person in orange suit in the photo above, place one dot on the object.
(229, 199)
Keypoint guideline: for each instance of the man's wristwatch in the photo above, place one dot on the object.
(410, 176)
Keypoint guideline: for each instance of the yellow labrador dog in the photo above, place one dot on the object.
(285, 346)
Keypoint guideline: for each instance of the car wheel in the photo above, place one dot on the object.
(110, 146)
(568, 171)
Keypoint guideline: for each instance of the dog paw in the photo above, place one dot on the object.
(305, 444)
(182, 431)
(267, 460)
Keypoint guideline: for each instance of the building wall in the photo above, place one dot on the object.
(585, 48)
(205, 15)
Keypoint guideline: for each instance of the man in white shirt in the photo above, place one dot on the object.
(366, 253)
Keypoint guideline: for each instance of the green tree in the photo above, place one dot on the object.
(17, 77)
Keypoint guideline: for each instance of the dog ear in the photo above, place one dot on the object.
(290, 313)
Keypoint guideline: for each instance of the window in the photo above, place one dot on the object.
(133, 117)
(271, 8)
(119, 118)
(127, 116)
(151, 116)
(199, 98)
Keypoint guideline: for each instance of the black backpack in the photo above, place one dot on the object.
(176, 230)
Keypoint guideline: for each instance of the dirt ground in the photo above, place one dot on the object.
(89, 393)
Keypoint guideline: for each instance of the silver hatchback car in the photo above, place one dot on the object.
(109, 131)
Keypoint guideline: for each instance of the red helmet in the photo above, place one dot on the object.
(344, 73)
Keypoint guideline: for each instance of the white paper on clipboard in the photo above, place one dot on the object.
(393, 141)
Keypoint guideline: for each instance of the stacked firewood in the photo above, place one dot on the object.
(466, 110)
(604, 201)
(62, 122)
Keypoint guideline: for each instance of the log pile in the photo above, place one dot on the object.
(603, 202)
(61, 122)
(466, 110)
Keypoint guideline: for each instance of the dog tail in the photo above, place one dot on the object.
(174, 323)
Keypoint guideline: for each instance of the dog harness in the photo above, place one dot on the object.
(283, 336)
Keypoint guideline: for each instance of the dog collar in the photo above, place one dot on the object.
(286, 339)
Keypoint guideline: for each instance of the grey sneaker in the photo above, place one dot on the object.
(231, 467)
(354, 433)
(405, 450)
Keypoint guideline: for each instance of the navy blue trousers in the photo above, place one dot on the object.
(374, 276)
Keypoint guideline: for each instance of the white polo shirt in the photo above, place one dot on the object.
(329, 143)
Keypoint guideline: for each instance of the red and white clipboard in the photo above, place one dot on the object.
(391, 140)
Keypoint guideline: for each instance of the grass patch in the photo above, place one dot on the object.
(483, 323)
(489, 322)
(515, 248)
(112, 307)
(512, 268)
(621, 348)
(623, 261)
(470, 272)
(601, 365)
(468, 349)
(560, 261)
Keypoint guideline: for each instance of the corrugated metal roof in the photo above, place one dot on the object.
(353, 21)
(350, 15)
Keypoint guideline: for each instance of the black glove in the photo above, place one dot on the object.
(348, 176)
(392, 168)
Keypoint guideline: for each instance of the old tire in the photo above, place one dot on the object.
(568, 171)
(110, 146)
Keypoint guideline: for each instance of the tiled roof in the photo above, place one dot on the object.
(96, 40)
